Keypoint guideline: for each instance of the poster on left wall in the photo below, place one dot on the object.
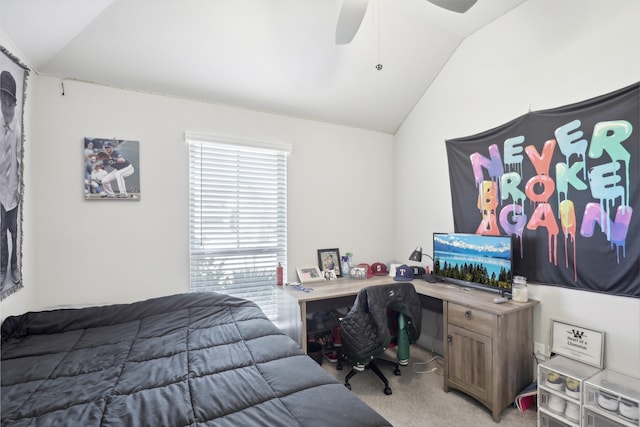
(111, 169)
(13, 83)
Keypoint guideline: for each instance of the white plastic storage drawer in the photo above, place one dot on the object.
(612, 399)
(565, 377)
(559, 405)
(545, 420)
(560, 385)
(594, 419)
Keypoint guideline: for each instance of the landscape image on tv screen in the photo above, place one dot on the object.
(473, 259)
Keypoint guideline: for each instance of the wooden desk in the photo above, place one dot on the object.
(330, 294)
(489, 349)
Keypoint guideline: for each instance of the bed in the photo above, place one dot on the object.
(197, 359)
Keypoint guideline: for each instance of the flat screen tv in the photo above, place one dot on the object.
(474, 260)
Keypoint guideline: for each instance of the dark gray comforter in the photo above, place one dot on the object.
(183, 360)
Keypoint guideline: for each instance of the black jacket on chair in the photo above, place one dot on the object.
(365, 329)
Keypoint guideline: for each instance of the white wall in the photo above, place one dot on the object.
(543, 54)
(340, 180)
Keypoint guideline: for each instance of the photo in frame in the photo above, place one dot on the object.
(359, 273)
(329, 275)
(329, 259)
(13, 84)
(111, 169)
(309, 274)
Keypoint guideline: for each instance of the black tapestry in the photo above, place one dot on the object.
(565, 184)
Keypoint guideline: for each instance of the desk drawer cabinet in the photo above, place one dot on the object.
(489, 351)
(470, 362)
(471, 319)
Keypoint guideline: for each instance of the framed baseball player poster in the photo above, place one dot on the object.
(111, 169)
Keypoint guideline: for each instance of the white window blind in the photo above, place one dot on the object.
(238, 217)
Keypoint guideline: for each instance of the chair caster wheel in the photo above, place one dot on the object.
(348, 386)
(338, 367)
(397, 372)
(387, 391)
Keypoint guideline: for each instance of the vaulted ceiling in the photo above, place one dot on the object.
(276, 56)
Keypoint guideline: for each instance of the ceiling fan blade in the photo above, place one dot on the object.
(351, 15)
(460, 6)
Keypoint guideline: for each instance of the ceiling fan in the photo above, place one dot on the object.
(352, 12)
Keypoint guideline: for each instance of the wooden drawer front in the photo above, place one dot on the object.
(471, 319)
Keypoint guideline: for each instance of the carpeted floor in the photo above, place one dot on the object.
(418, 399)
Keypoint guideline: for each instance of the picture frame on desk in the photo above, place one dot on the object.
(309, 274)
(329, 259)
(329, 275)
(359, 273)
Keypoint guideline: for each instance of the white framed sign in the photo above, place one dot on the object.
(578, 343)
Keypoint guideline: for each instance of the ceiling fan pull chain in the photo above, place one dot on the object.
(379, 14)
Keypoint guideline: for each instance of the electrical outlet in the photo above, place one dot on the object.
(539, 348)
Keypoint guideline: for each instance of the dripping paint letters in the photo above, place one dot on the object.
(565, 184)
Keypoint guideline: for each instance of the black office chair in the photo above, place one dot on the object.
(381, 317)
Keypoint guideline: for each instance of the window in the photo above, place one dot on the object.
(237, 217)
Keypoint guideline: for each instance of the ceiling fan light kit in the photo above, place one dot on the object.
(352, 12)
(351, 15)
(459, 6)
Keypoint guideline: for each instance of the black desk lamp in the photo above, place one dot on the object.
(417, 256)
